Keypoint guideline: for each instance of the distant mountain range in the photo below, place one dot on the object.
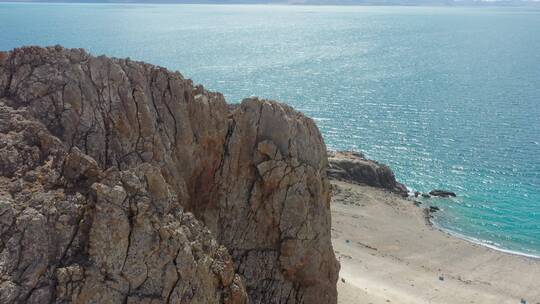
(314, 2)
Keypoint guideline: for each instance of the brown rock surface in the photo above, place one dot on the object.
(102, 163)
(354, 167)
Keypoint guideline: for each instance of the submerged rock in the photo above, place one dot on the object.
(442, 193)
(122, 182)
(354, 167)
(433, 209)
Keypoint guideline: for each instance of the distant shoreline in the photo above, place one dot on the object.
(481, 4)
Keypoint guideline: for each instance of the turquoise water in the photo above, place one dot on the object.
(448, 97)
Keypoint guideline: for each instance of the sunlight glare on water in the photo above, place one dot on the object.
(448, 97)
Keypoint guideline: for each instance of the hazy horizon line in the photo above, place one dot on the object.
(450, 3)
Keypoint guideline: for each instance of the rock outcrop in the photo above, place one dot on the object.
(354, 167)
(442, 193)
(122, 182)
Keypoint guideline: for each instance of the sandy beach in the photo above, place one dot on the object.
(390, 254)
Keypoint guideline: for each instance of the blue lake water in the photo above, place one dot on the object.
(448, 97)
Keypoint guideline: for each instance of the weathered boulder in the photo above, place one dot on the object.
(354, 167)
(122, 182)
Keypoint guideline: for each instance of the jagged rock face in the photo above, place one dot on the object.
(99, 159)
(70, 232)
(354, 167)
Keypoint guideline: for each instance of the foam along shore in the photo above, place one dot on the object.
(390, 254)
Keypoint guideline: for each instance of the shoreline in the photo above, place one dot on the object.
(431, 222)
(354, 167)
(481, 243)
(389, 254)
(470, 239)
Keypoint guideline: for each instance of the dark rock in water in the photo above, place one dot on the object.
(433, 209)
(425, 195)
(417, 203)
(442, 193)
(354, 167)
(417, 194)
(122, 182)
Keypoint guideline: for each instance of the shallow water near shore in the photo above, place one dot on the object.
(448, 97)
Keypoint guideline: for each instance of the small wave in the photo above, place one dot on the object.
(321, 119)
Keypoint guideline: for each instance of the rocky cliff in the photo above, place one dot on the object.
(122, 182)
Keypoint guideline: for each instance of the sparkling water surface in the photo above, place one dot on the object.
(448, 97)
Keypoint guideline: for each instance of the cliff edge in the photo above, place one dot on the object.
(122, 182)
